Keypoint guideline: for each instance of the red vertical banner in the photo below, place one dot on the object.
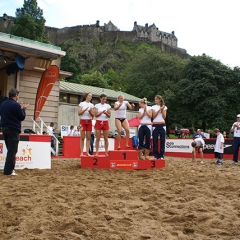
(45, 86)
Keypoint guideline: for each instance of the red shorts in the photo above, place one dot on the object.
(86, 124)
(101, 125)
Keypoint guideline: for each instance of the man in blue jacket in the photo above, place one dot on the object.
(12, 114)
(198, 134)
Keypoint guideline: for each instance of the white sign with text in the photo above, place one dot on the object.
(30, 155)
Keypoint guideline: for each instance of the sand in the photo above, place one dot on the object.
(183, 201)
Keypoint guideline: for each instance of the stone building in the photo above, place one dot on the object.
(36, 58)
(61, 106)
(168, 42)
(70, 97)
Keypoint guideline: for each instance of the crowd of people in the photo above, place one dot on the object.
(152, 123)
(147, 128)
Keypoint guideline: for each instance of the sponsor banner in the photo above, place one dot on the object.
(178, 145)
(101, 145)
(184, 145)
(30, 155)
(65, 130)
(124, 164)
(210, 144)
(48, 79)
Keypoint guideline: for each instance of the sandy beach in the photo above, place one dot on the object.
(183, 201)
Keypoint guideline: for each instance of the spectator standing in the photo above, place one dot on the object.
(92, 137)
(198, 134)
(225, 134)
(236, 139)
(12, 114)
(86, 111)
(218, 149)
(71, 131)
(197, 144)
(51, 132)
(209, 133)
(77, 132)
(159, 113)
(102, 113)
(145, 128)
(121, 121)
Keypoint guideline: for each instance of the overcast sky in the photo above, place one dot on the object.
(201, 26)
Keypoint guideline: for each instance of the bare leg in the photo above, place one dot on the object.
(105, 135)
(88, 134)
(201, 154)
(82, 142)
(193, 155)
(126, 128)
(119, 129)
(98, 134)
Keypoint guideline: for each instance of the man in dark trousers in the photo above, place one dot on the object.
(12, 113)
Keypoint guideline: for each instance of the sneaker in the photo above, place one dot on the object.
(233, 162)
(161, 158)
(219, 162)
(14, 173)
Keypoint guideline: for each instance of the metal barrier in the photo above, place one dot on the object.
(42, 125)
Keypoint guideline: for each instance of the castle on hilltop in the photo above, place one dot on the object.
(168, 42)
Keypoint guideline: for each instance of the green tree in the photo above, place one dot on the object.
(207, 95)
(114, 80)
(152, 73)
(71, 65)
(29, 22)
(95, 79)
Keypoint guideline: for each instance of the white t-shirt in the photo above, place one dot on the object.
(71, 132)
(159, 117)
(100, 107)
(85, 105)
(76, 133)
(219, 140)
(199, 142)
(50, 130)
(146, 119)
(236, 132)
(121, 112)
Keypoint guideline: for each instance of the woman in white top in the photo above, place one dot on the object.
(102, 113)
(86, 111)
(120, 119)
(159, 112)
(145, 128)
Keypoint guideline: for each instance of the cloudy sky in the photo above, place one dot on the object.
(201, 26)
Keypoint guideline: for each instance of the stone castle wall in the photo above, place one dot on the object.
(89, 33)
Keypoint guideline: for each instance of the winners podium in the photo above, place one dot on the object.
(120, 159)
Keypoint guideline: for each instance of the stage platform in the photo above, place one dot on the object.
(120, 159)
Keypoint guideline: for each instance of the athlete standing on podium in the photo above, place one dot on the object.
(86, 111)
(102, 113)
(145, 129)
(120, 119)
(159, 126)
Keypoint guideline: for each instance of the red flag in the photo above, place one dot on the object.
(45, 86)
(134, 122)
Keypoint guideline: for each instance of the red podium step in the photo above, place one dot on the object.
(123, 154)
(101, 161)
(121, 159)
(151, 164)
